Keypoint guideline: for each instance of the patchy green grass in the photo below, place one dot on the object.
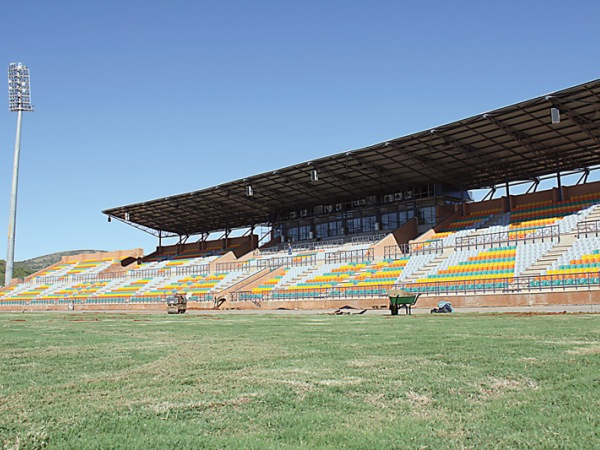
(299, 381)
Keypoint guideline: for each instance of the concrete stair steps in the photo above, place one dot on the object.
(594, 215)
(302, 276)
(155, 283)
(431, 265)
(546, 260)
(237, 280)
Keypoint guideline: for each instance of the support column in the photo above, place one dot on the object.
(508, 194)
(12, 221)
(559, 185)
(462, 200)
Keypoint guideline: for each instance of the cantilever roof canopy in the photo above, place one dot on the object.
(517, 142)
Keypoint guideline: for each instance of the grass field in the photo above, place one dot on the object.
(299, 381)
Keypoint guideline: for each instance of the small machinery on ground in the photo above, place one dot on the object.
(177, 304)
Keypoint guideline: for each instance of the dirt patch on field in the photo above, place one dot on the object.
(175, 408)
(495, 387)
(595, 350)
(420, 404)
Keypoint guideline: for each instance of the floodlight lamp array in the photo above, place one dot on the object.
(19, 93)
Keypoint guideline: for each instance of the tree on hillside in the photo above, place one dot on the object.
(18, 272)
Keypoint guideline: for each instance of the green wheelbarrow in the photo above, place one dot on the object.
(400, 298)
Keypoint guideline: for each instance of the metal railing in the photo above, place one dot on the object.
(396, 251)
(313, 245)
(333, 242)
(192, 270)
(371, 238)
(509, 237)
(350, 256)
(130, 274)
(507, 285)
(288, 261)
(414, 248)
(330, 293)
(328, 243)
(588, 228)
(233, 265)
(91, 300)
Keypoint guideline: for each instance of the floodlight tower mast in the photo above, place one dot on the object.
(19, 100)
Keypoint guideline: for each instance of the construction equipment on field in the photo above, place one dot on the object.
(177, 304)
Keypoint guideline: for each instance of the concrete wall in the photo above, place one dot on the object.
(588, 188)
(119, 254)
(246, 242)
(407, 232)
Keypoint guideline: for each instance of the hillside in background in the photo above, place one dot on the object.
(25, 268)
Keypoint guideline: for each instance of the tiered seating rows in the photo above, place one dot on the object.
(487, 268)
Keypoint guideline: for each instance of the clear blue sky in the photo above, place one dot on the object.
(137, 100)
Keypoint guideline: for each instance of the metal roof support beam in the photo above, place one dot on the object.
(491, 193)
(212, 203)
(205, 200)
(559, 186)
(302, 187)
(268, 193)
(416, 160)
(240, 198)
(428, 164)
(491, 139)
(523, 139)
(341, 182)
(386, 174)
(534, 185)
(585, 125)
(184, 208)
(381, 173)
(371, 173)
(508, 194)
(584, 177)
(468, 150)
(203, 237)
(150, 231)
(462, 198)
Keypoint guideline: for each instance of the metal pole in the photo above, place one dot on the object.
(508, 193)
(12, 220)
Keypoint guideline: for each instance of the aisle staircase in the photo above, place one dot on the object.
(550, 257)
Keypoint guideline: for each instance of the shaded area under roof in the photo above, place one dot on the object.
(514, 143)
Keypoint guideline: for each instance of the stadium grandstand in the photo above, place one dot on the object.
(344, 229)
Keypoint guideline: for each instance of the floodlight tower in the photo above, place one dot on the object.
(19, 100)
